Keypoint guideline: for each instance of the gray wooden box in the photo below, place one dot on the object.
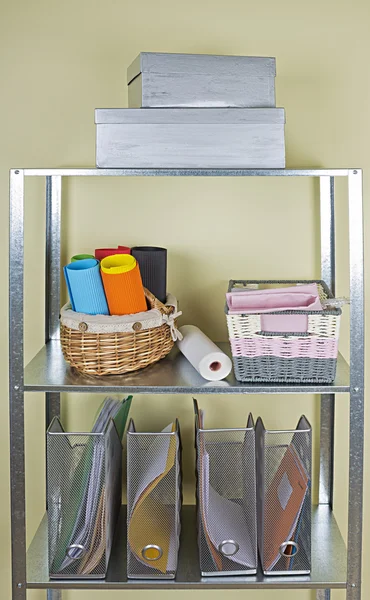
(201, 80)
(190, 138)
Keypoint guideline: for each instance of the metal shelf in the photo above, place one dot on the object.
(49, 372)
(328, 562)
(92, 172)
(332, 565)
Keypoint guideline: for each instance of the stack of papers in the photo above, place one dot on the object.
(83, 535)
(285, 502)
(222, 519)
(153, 523)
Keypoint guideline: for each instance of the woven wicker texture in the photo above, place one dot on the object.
(296, 347)
(285, 357)
(285, 370)
(117, 353)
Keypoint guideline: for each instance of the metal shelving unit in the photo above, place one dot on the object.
(334, 564)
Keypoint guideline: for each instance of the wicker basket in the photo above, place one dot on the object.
(285, 357)
(113, 345)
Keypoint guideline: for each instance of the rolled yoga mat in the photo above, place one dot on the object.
(123, 286)
(153, 268)
(81, 257)
(203, 354)
(85, 287)
(101, 253)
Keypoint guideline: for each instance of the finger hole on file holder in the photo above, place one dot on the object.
(81, 551)
(228, 547)
(152, 552)
(292, 547)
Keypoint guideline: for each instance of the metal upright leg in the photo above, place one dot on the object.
(52, 277)
(52, 294)
(16, 390)
(356, 427)
(327, 226)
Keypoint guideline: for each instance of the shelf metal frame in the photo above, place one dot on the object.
(17, 386)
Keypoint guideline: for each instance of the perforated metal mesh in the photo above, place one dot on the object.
(226, 497)
(84, 495)
(153, 504)
(284, 498)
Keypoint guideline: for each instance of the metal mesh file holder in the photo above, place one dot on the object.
(153, 503)
(284, 499)
(226, 499)
(84, 474)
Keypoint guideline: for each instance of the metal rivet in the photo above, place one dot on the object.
(83, 327)
(17, 173)
(137, 326)
(353, 585)
(19, 585)
(16, 387)
(356, 389)
(355, 172)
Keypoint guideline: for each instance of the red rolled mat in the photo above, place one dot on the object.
(101, 253)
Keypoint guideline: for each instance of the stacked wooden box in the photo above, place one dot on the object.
(194, 111)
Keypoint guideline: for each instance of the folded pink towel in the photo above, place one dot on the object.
(300, 297)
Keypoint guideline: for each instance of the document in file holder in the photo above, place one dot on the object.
(227, 511)
(153, 502)
(284, 502)
(284, 491)
(83, 470)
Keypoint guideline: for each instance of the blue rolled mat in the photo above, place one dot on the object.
(85, 287)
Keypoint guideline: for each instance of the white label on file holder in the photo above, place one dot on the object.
(284, 491)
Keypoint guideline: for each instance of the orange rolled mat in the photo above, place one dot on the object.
(122, 284)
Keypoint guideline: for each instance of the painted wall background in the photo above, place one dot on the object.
(59, 61)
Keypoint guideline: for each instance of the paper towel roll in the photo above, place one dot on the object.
(203, 354)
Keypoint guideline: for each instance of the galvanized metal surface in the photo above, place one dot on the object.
(328, 562)
(48, 371)
(328, 533)
(93, 172)
(190, 145)
(323, 594)
(187, 90)
(52, 256)
(190, 116)
(54, 595)
(16, 396)
(327, 411)
(356, 428)
(52, 280)
(199, 64)
(327, 228)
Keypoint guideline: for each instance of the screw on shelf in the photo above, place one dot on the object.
(353, 585)
(356, 389)
(19, 585)
(16, 172)
(16, 387)
(355, 172)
